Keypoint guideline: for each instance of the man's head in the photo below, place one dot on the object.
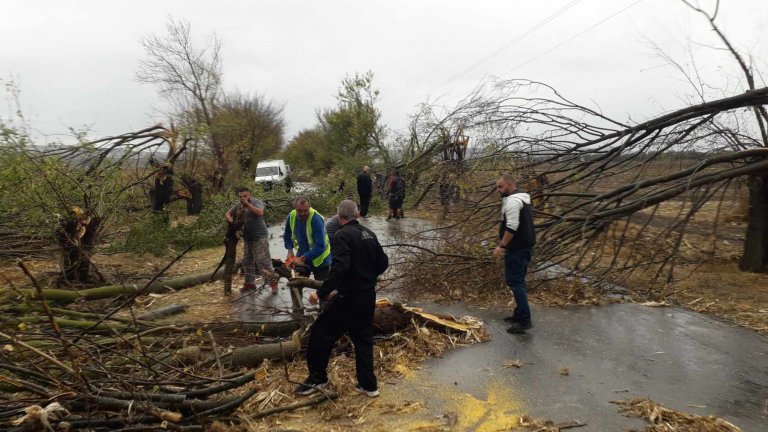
(506, 185)
(243, 193)
(365, 169)
(347, 211)
(301, 204)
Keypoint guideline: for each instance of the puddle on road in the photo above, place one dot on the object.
(262, 306)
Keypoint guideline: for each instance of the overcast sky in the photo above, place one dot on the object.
(75, 61)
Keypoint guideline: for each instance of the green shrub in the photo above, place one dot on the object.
(155, 235)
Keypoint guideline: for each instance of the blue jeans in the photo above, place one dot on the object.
(515, 268)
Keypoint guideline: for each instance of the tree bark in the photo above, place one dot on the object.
(162, 312)
(755, 256)
(195, 203)
(77, 240)
(230, 255)
(66, 296)
(254, 355)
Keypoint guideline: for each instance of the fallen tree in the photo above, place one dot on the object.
(109, 291)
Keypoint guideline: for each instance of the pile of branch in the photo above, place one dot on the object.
(663, 419)
(79, 370)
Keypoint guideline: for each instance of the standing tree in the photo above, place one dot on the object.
(755, 257)
(308, 149)
(249, 128)
(353, 129)
(189, 77)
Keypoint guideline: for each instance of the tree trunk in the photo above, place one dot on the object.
(77, 237)
(195, 203)
(254, 355)
(230, 255)
(66, 296)
(160, 195)
(755, 256)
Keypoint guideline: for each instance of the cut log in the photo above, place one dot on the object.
(162, 312)
(26, 308)
(109, 291)
(254, 355)
(68, 323)
(265, 329)
(249, 356)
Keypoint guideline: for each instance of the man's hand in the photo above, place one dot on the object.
(498, 252)
(313, 298)
(298, 261)
(290, 255)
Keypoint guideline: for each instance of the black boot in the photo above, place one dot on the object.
(517, 327)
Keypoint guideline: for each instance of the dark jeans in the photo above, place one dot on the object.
(515, 269)
(365, 202)
(345, 313)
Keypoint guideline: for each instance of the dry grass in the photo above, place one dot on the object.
(569, 291)
(663, 419)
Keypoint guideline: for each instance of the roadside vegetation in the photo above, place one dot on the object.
(671, 211)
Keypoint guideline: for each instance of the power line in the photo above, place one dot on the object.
(509, 44)
(573, 37)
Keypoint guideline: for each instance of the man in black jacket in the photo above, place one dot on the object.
(364, 190)
(516, 240)
(349, 295)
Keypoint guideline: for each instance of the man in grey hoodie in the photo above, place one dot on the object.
(516, 240)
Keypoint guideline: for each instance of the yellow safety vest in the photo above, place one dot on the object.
(312, 212)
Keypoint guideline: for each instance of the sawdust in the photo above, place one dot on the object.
(499, 411)
(663, 419)
(395, 357)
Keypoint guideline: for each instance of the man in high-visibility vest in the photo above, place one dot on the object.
(305, 232)
(350, 301)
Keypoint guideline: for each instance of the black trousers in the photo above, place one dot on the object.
(365, 202)
(351, 314)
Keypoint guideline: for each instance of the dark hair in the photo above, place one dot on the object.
(241, 190)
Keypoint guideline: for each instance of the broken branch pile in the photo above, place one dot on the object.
(663, 419)
(108, 372)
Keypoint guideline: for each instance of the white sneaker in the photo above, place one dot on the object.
(369, 393)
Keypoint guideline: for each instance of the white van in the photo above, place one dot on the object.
(271, 172)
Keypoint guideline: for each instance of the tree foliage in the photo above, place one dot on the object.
(249, 128)
(308, 150)
(229, 132)
(349, 135)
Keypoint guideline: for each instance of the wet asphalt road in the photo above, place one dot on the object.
(263, 306)
(681, 359)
